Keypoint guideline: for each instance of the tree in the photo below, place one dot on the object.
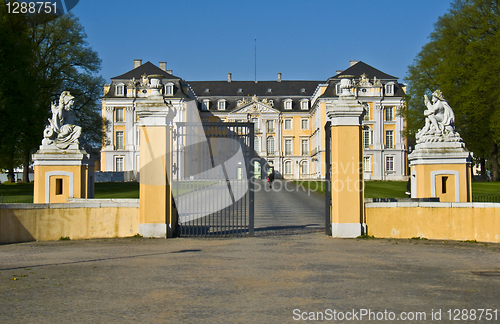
(59, 59)
(462, 59)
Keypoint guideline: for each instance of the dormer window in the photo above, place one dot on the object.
(205, 104)
(169, 89)
(338, 90)
(304, 104)
(288, 103)
(303, 90)
(269, 90)
(240, 90)
(207, 90)
(120, 89)
(389, 89)
(221, 104)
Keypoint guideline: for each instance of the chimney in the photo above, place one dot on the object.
(163, 66)
(353, 62)
(169, 71)
(137, 63)
(279, 77)
(229, 77)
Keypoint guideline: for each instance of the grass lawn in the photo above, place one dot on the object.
(23, 192)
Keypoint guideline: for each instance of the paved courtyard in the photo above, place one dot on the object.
(282, 275)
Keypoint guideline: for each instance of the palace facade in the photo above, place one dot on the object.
(289, 117)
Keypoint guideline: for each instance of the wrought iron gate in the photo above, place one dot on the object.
(211, 175)
(328, 176)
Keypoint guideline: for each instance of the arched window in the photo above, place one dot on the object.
(169, 89)
(288, 167)
(304, 168)
(270, 145)
(120, 89)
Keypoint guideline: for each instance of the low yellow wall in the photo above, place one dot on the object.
(44, 222)
(442, 221)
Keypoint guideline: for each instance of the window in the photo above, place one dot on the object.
(288, 104)
(304, 168)
(389, 89)
(367, 165)
(256, 145)
(119, 90)
(304, 123)
(270, 145)
(389, 163)
(288, 124)
(221, 104)
(169, 89)
(119, 114)
(255, 120)
(367, 138)
(389, 139)
(338, 89)
(59, 186)
(119, 164)
(304, 104)
(119, 141)
(288, 167)
(443, 184)
(389, 114)
(288, 146)
(305, 146)
(205, 105)
(367, 113)
(270, 126)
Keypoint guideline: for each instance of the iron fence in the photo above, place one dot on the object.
(486, 197)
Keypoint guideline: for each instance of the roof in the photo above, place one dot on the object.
(250, 88)
(361, 68)
(146, 68)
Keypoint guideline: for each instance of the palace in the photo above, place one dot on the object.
(289, 117)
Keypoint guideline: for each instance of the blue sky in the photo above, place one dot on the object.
(304, 40)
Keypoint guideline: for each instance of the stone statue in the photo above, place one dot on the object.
(61, 131)
(439, 121)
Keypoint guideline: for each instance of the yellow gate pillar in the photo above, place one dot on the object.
(347, 208)
(156, 216)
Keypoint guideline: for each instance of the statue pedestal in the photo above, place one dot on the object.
(441, 169)
(62, 174)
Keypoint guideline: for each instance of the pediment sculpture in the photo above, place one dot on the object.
(61, 133)
(439, 121)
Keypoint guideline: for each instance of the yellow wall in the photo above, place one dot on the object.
(346, 177)
(424, 187)
(80, 182)
(470, 222)
(43, 224)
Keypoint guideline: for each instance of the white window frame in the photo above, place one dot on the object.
(122, 115)
(389, 89)
(304, 166)
(270, 145)
(389, 111)
(205, 104)
(288, 167)
(287, 104)
(389, 134)
(291, 124)
(256, 145)
(122, 146)
(304, 104)
(221, 104)
(367, 164)
(288, 146)
(120, 89)
(390, 160)
(169, 89)
(306, 124)
(122, 159)
(367, 140)
(304, 151)
(270, 126)
(338, 90)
